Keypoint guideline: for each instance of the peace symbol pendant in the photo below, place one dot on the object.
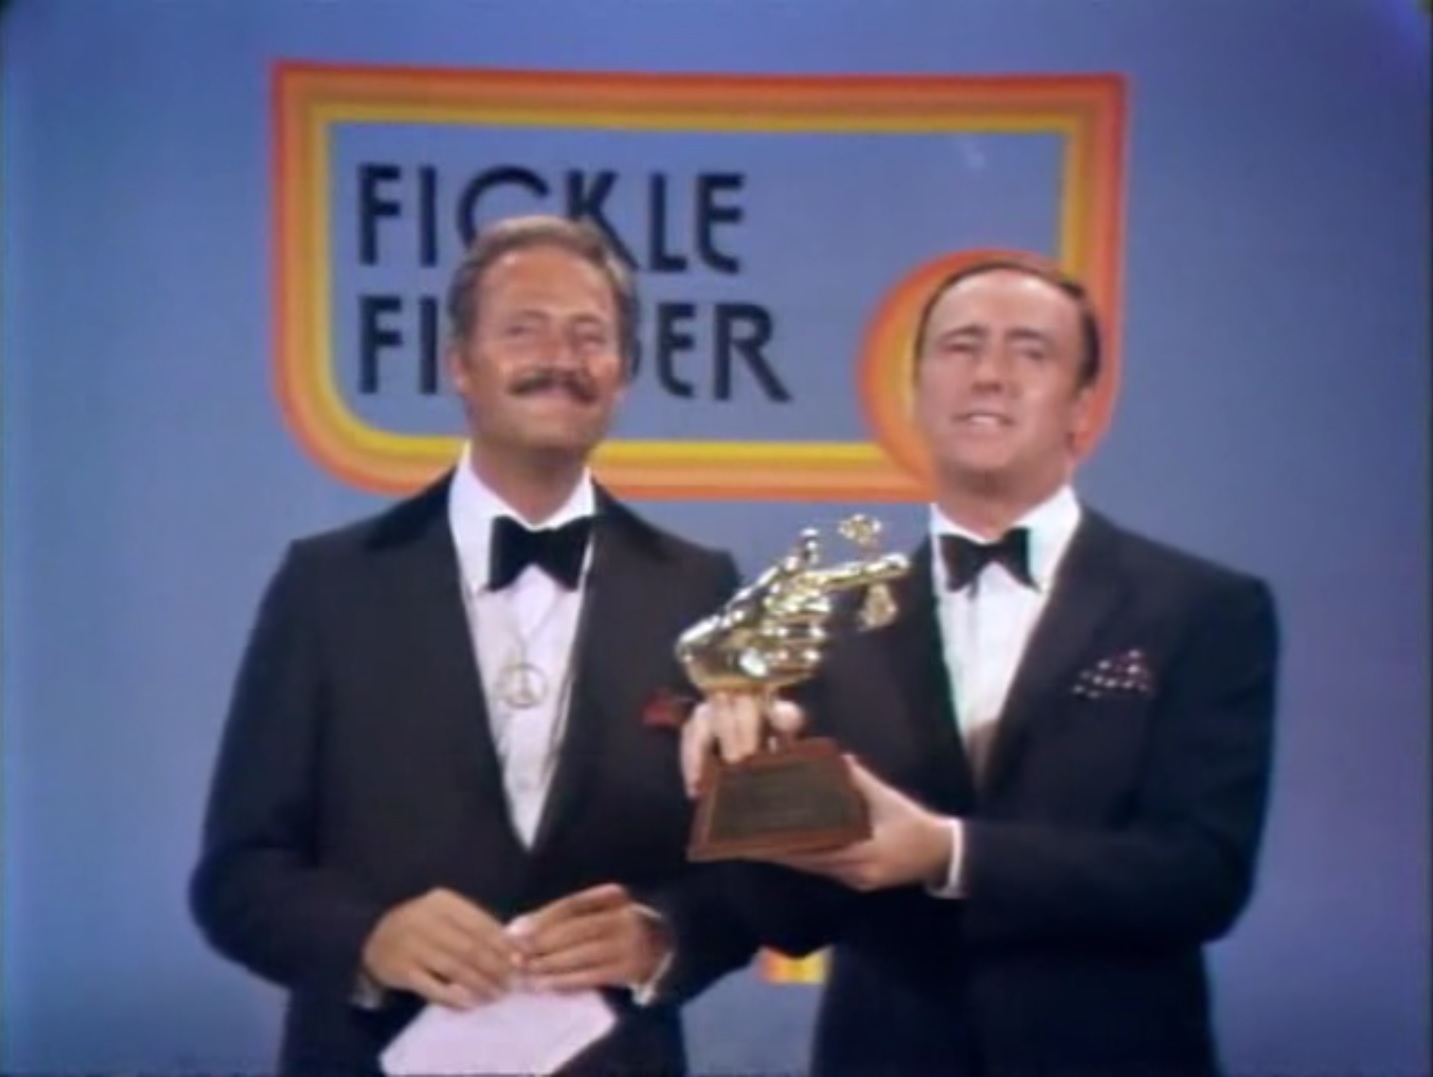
(521, 685)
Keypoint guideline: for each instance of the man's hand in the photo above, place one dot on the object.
(442, 947)
(594, 938)
(733, 727)
(908, 844)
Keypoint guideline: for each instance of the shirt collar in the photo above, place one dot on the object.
(473, 506)
(1051, 524)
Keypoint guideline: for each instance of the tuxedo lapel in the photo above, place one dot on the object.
(915, 653)
(427, 610)
(1089, 591)
(604, 687)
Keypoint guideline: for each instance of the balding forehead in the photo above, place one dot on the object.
(1001, 301)
(1007, 289)
(1005, 280)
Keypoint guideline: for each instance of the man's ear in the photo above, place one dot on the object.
(1082, 419)
(456, 360)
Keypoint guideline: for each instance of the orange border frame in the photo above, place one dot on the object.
(1088, 111)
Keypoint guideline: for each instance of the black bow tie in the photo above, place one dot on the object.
(964, 558)
(557, 551)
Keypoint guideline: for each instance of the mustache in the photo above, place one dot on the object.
(577, 384)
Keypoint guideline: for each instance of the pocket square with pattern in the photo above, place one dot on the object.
(1124, 674)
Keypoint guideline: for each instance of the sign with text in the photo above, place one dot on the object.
(784, 231)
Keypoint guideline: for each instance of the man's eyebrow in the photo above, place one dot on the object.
(1026, 334)
(966, 330)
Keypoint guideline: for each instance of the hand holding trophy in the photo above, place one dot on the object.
(793, 795)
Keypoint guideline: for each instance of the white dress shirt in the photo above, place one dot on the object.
(535, 619)
(986, 625)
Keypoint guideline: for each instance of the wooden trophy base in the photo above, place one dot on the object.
(794, 799)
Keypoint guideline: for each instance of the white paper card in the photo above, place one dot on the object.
(525, 1032)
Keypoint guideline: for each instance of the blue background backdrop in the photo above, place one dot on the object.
(1273, 414)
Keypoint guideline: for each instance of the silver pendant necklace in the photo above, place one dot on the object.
(521, 684)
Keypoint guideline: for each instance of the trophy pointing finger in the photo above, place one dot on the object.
(792, 796)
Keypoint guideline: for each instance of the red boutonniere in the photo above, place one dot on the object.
(666, 710)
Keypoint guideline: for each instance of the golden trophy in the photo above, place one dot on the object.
(794, 794)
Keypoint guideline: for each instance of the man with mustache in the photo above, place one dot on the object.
(1063, 741)
(436, 784)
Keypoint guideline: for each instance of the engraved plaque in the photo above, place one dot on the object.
(796, 799)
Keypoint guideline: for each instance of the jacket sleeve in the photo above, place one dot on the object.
(257, 894)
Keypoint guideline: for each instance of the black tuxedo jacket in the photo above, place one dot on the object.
(357, 770)
(1111, 836)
